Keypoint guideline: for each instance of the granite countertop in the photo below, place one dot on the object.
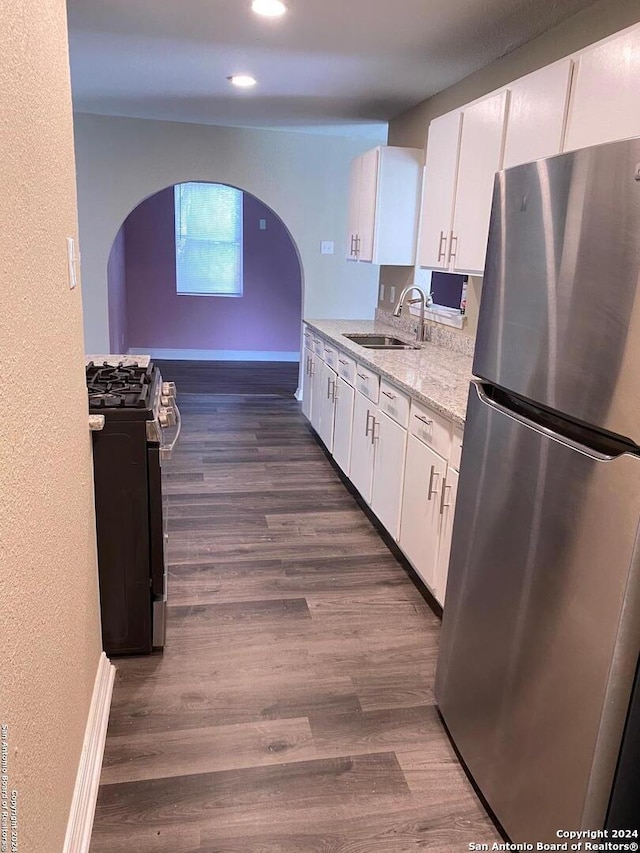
(436, 376)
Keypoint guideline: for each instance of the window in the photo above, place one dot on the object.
(208, 223)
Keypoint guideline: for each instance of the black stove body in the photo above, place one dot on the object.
(130, 518)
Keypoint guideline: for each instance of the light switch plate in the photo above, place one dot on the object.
(326, 247)
(71, 262)
(381, 299)
(392, 293)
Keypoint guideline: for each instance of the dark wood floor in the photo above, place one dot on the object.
(292, 710)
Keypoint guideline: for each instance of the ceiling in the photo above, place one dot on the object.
(327, 66)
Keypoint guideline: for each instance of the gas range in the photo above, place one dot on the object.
(139, 414)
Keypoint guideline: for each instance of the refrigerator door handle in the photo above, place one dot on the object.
(540, 428)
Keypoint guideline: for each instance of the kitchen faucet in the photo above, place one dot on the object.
(424, 300)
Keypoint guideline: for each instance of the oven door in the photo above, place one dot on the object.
(157, 549)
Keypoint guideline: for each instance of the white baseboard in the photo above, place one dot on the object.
(217, 354)
(85, 794)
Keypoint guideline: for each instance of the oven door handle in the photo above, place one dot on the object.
(166, 450)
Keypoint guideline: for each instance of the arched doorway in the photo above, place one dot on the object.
(150, 312)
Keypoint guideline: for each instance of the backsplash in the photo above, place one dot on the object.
(437, 334)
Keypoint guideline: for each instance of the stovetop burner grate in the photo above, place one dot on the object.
(118, 386)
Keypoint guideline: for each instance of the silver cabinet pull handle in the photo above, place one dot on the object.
(335, 392)
(327, 351)
(343, 361)
(328, 387)
(443, 495)
(442, 250)
(363, 377)
(432, 476)
(423, 419)
(366, 429)
(375, 435)
(390, 396)
(453, 254)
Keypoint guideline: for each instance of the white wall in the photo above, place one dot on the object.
(303, 178)
(49, 616)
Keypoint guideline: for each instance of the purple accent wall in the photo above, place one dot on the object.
(116, 278)
(268, 315)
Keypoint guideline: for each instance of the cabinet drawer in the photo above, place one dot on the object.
(456, 448)
(308, 337)
(318, 346)
(346, 367)
(331, 355)
(394, 403)
(367, 382)
(431, 428)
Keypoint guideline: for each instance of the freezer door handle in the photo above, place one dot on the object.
(554, 434)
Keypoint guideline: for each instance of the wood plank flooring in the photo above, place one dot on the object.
(292, 710)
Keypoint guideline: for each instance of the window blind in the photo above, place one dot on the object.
(208, 223)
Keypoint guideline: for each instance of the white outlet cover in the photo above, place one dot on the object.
(381, 293)
(326, 247)
(263, 224)
(392, 293)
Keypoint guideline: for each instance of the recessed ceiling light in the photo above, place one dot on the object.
(269, 8)
(244, 81)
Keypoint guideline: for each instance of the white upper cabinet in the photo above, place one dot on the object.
(537, 114)
(605, 103)
(481, 149)
(368, 195)
(384, 197)
(464, 151)
(438, 191)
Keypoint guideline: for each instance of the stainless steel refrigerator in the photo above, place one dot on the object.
(537, 675)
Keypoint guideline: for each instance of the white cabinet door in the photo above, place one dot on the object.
(537, 113)
(343, 425)
(438, 191)
(420, 520)
(368, 196)
(317, 365)
(362, 446)
(327, 405)
(481, 148)
(384, 200)
(447, 512)
(388, 472)
(307, 384)
(354, 208)
(606, 93)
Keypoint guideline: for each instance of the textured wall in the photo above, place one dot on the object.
(116, 278)
(49, 622)
(410, 129)
(303, 178)
(267, 317)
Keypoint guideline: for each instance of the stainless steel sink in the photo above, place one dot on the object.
(379, 341)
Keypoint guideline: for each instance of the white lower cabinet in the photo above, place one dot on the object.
(307, 383)
(425, 472)
(399, 454)
(447, 511)
(390, 441)
(326, 406)
(317, 375)
(343, 423)
(362, 445)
